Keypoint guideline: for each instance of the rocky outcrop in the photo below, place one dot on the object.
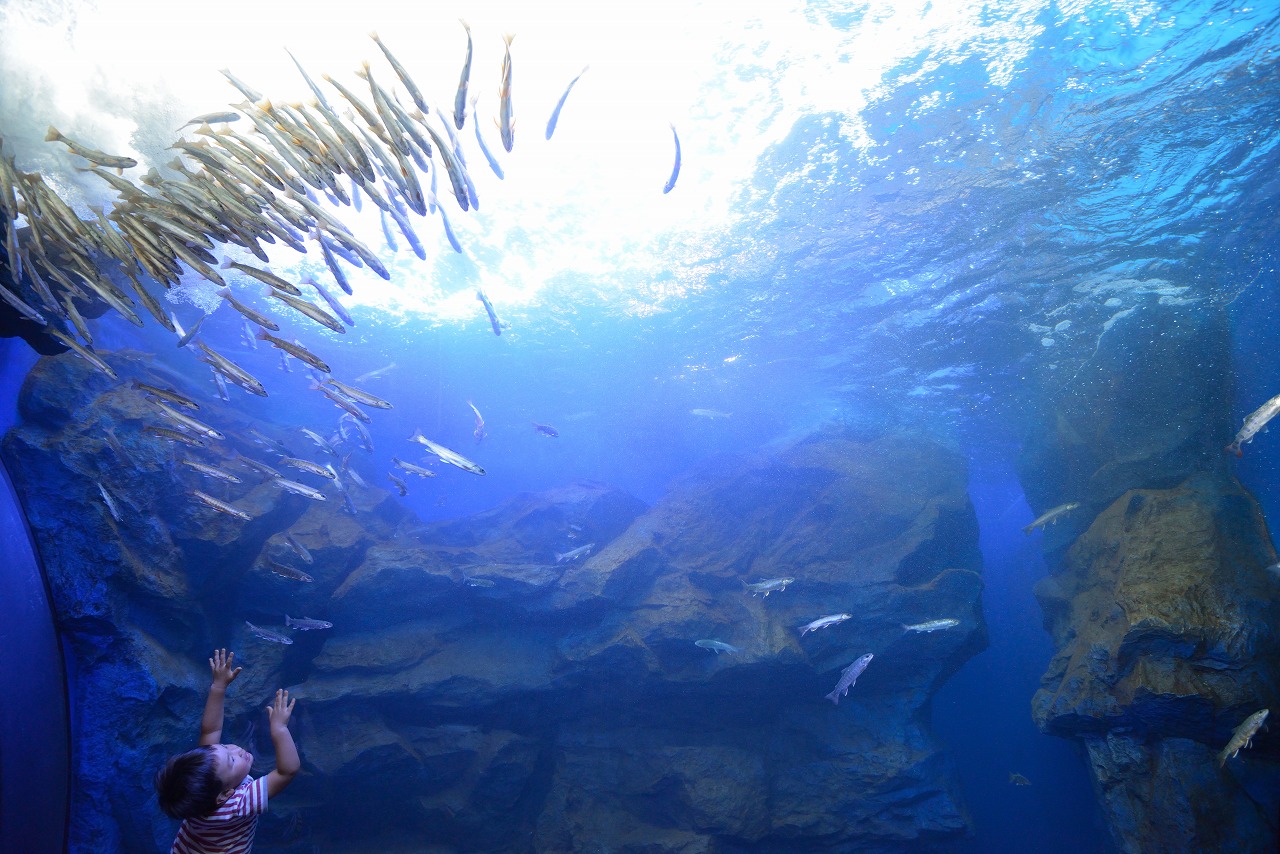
(1159, 603)
(484, 689)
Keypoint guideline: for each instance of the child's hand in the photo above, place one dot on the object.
(220, 665)
(279, 711)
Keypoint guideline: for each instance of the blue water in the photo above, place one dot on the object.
(921, 278)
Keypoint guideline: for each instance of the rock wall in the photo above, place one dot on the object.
(476, 693)
(1159, 601)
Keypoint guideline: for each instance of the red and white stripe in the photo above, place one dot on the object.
(230, 828)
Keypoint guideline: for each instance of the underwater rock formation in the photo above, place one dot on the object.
(483, 688)
(1158, 598)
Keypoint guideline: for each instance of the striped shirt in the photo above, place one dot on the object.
(229, 829)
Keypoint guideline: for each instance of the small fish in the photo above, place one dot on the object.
(1050, 517)
(168, 394)
(460, 100)
(321, 442)
(574, 554)
(299, 549)
(453, 458)
(358, 395)
(484, 149)
(289, 572)
(308, 466)
(110, 502)
(931, 625)
(298, 352)
(195, 426)
(769, 585)
(476, 581)
(479, 432)
(173, 436)
(217, 118)
(306, 624)
(409, 85)
(1243, 735)
(507, 120)
(83, 352)
(710, 414)
(375, 374)
(848, 677)
(249, 313)
(546, 430)
(411, 468)
(268, 634)
(400, 484)
(211, 471)
(111, 161)
(675, 168)
(1018, 780)
(488, 308)
(298, 488)
(1255, 422)
(715, 646)
(260, 468)
(220, 506)
(185, 337)
(823, 622)
(555, 114)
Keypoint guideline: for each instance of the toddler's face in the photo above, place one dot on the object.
(231, 764)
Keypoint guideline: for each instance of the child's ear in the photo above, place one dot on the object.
(224, 794)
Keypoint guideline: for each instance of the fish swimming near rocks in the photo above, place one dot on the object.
(574, 554)
(306, 624)
(298, 548)
(1256, 421)
(1018, 780)
(768, 585)
(453, 458)
(823, 622)
(268, 634)
(716, 646)
(1243, 735)
(931, 625)
(289, 572)
(220, 506)
(848, 677)
(1050, 517)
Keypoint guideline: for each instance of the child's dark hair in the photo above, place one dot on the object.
(188, 786)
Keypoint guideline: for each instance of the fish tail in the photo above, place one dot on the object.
(1027, 529)
(508, 38)
(834, 697)
(1234, 448)
(52, 135)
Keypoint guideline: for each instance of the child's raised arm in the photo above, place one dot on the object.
(223, 675)
(287, 762)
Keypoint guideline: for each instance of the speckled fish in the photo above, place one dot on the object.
(297, 351)
(289, 572)
(1254, 423)
(453, 458)
(216, 118)
(166, 394)
(931, 625)
(192, 424)
(507, 120)
(83, 352)
(1050, 517)
(715, 646)
(555, 114)
(306, 624)
(308, 466)
(220, 506)
(823, 622)
(310, 310)
(110, 502)
(211, 471)
(401, 486)
(1243, 736)
(358, 395)
(409, 85)
(268, 635)
(173, 436)
(769, 585)
(411, 469)
(111, 161)
(849, 676)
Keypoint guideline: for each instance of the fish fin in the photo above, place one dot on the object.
(1027, 529)
(52, 135)
(834, 698)
(508, 38)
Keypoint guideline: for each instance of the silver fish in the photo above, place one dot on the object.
(460, 100)
(289, 572)
(506, 117)
(675, 168)
(451, 457)
(1050, 517)
(299, 548)
(298, 488)
(769, 585)
(574, 554)
(1255, 422)
(714, 645)
(211, 471)
(306, 624)
(849, 676)
(555, 114)
(268, 634)
(823, 622)
(308, 466)
(220, 506)
(358, 395)
(411, 468)
(166, 394)
(400, 484)
(111, 161)
(931, 625)
(110, 502)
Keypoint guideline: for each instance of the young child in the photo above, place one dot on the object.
(209, 787)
